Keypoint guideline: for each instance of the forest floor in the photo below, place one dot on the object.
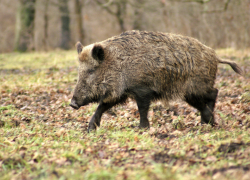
(42, 137)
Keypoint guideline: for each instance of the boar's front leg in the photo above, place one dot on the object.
(96, 118)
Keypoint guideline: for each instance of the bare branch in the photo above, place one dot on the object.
(108, 3)
(226, 5)
(105, 6)
(203, 2)
(219, 10)
(197, 1)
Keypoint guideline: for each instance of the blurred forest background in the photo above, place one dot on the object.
(43, 25)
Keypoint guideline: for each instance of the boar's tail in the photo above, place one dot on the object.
(234, 66)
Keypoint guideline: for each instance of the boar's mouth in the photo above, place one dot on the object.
(76, 105)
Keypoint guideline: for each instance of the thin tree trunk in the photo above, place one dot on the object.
(120, 15)
(65, 22)
(79, 21)
(46, 19)
(138, 15)
(25, 17)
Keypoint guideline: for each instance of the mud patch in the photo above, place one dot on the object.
(232, 147)
(164, 157)
(244, 168)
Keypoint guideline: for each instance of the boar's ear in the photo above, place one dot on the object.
(98, 52)
(79, 47)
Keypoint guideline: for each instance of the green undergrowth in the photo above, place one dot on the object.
(41, 137)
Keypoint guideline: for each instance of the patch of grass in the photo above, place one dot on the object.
(37, 60)
(245, 97)
(8, 107)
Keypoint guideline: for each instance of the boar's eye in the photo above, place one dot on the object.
(91, 71)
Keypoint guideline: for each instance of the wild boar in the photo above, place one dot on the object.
(147, 66)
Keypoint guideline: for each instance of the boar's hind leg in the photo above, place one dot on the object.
(96, 118)
(205, 104)
(143, 106)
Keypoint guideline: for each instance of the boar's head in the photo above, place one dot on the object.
(90, 57)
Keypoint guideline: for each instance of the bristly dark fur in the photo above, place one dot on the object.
(147, 66)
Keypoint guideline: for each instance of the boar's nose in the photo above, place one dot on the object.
(73, 103)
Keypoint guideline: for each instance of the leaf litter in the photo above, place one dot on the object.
(39, 131)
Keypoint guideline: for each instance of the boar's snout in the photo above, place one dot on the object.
(73, 103)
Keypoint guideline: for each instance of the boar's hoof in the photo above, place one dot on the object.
(207, 117)
(144, 126)
(92, 127)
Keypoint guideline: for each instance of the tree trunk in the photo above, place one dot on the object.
(138, 15)
(79, 21)
(25, 17)
(65, 21)
(46, 19)
(121, 13)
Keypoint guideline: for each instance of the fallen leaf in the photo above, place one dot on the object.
(211, 158)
